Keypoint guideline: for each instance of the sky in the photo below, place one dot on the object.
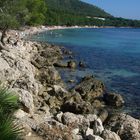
(119, 8)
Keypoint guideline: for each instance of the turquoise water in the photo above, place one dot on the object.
(113, 55)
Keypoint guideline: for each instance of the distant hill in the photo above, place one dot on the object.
(76, 12)
(76, 7)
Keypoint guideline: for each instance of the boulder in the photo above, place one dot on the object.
(97, 127)
(109, 135)
(61, 65)
(90, 88)
(77, 108)
(59, 116)
(82, 64)
(49, 75)
(60, 92)
(103, 115)
(89, 131)
(26, 99)
(69, 118)
(76, 121)
(93, 137)
(125, 126)
(71, 64)
(114, 99)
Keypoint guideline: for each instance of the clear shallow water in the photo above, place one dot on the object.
(113, 55)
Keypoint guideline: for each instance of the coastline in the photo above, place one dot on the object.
(35, 30)
(31, 64)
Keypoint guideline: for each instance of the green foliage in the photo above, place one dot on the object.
(7, 14)
(8, 101)
(36, 12)
(76, 7)
(75, 12)
(8, 104)
(14, 13)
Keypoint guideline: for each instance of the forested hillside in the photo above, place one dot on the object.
(76, 7)
(76, 12)
(18, 13)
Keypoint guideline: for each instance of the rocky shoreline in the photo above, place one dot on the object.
(48, 111)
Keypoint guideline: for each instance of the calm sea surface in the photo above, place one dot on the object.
(113, 55)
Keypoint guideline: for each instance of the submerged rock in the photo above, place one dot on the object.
(71, 64)
(82, 64)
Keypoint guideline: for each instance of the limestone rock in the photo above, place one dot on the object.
(71, 64)
(114, 99)
(89, 132)
(97, 127)
(94, 137)
(125, 126)
(77, 108)
(59, 116)
(90, 88)
(26, 99)
(77, 121)
(109, 135)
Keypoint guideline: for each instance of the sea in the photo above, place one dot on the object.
(110, 54)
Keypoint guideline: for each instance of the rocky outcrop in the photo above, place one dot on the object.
(48, 110)
(71, 64)
(114, 99)
(109, 135)
(125, 126)
(90, 88)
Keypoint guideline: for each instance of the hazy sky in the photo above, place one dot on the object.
(119, 8)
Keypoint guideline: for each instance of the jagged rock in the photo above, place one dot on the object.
(75, 104)
(59, 116)
(71, 64)
(49, 75)
(109, 135)
(97, 127)
(90, 88)
(4, 64)
(26, 100)
(60, 92)
(91, 117)
(75, 131)
(61, 65)
(69, 118)
(66, 51)
(114, 99)
(98, 104)
(77, 137)
(125, 126)
(103, 115)
(77, 121)
(81, 64)
(71, 81)
(77, 108)
(93, 137)
(20, 114)
(89, 132)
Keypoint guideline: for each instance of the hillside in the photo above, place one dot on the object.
(76, 12)
(76, 7)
